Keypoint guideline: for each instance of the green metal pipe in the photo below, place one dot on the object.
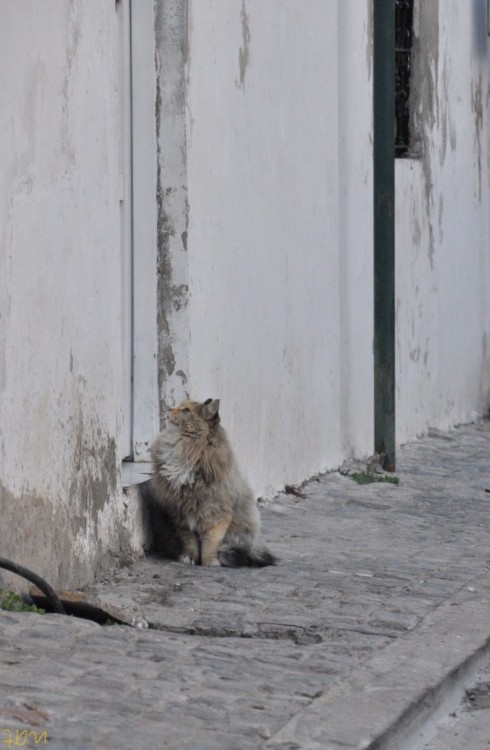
(384, 228)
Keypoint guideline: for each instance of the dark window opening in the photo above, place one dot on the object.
(403, 68)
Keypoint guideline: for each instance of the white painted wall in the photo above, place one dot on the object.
(356, 227)
(262, 217)
(61, 504)
(443, 203)
(279, 190)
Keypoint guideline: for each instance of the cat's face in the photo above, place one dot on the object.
(192, 414)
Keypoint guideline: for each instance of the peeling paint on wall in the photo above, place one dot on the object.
(425, 100)
(172, 60)
(425, 55)
(441, 218)
(74, 33)
(69, 538)
(60, 306)
(443, 269)
(477, 109)
(444, 108)
(244, 51)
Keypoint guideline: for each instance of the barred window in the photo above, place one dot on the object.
(403, 68)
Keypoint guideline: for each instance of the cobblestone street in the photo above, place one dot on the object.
(380, 594)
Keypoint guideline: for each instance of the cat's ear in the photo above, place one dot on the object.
(211, 408)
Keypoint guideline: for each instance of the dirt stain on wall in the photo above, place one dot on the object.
(477, 109)
(244, 51)
(64, 536)
(425, 112)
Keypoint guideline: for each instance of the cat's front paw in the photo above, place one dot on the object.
(212, 563)
(186, 560)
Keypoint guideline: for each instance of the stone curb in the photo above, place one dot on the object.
(393, 701)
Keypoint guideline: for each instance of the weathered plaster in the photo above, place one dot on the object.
(477, 109)
(172, 53)
(425, 102)
(425, 72)
(61, 502)
(263, 174)
(74, 536)
(74, 32)
(443, 273)
(244, 51)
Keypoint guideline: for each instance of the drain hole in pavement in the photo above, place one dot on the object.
(76, 606)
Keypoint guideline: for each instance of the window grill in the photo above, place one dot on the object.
(403, 68)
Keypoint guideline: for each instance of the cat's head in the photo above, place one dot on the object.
(192, 415)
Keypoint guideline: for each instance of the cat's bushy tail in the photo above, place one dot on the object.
(241, 556)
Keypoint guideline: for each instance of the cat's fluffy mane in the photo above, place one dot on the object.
(197, 482)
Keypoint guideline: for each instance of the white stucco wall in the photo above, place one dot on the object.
(254, 242)
(356, 227)
(443, 202)
(61, 506)
(279, 195)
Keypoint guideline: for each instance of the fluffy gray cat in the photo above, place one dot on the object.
(197, 484)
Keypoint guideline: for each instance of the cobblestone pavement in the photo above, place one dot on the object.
(239, 659)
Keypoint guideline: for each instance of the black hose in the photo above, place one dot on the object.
(51, 596)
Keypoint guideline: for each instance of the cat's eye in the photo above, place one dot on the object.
(186, 410)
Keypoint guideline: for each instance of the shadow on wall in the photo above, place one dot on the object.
(160, 535)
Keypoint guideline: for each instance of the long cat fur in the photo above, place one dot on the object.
(197, 484)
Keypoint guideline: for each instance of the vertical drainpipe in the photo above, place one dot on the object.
(384, 228)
